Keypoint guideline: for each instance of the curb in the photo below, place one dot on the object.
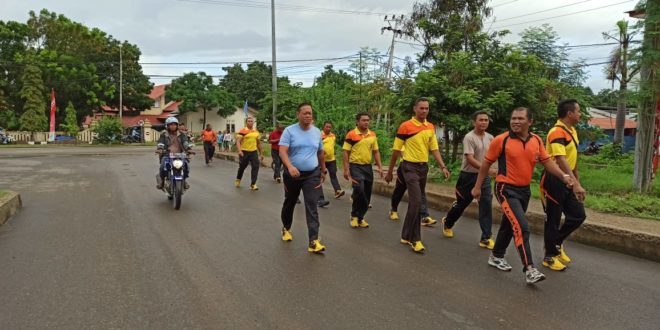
(630, 242)
(9, 205)
(234, 158)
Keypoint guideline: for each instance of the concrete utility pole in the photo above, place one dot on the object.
(121, 87)
(393, 23)
(274, 65)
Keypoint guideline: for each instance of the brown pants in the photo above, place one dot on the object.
(414, 174)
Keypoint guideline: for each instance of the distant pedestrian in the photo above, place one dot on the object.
(562, 145)
(221, 136)
(360, 148)
(475, 145)
(209, 139)
(417, 136)
(249, 153)
(274, 140)
(301, 151)
(329, 140)
(517, 152)
(227, 141)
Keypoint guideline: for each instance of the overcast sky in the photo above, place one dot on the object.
(239, 30)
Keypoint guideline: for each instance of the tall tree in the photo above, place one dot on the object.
(198, 93)
(33, 118)
(70, 125)
(622, 67)
(252, 84)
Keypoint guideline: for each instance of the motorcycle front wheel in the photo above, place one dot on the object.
(177, 192)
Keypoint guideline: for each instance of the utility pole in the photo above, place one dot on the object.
(393, 24)
(274, 65)
(121, 85)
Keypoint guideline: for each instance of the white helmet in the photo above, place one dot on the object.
(171, 120)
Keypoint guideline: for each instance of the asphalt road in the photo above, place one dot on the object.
(96, 246)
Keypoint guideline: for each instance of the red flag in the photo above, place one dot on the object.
(51, 136)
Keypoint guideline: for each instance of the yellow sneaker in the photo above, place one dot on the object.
(363, 224)
(554, 264)
(428, 221)
(315, 246)
(404, 241)
(417, 247)
(237, 183)
(394, 216)
(487, 243)
(562, 255)
(354, 222)
(254, 187)
(286, 235)
(447, 232)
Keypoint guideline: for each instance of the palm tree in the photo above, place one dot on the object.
(622, 66)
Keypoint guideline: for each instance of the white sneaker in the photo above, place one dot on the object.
(533, 275)
(499, 263)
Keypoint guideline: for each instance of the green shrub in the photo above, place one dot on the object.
(108, 130)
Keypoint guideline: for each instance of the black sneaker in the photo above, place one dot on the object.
(323, 203)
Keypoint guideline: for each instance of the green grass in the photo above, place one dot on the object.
(3, 193)
(81, 145)
(608, 183)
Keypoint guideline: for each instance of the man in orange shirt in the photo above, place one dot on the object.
(209, 138)
(516, 152)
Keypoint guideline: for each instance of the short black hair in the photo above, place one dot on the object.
(528, 113)
(421, 99)
(565, 106)
(359, 115)
(304, 104)
(479, 112)
(327, 122)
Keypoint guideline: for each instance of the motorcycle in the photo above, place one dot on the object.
(4, 138)
(175, 164)
(592, 149)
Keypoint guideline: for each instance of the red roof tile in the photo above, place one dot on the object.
(157, 91)
(610, 123)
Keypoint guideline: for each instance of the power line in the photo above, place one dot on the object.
(564, 15)
(248, 62)
(541, 11)
(298, 8)
(502, 4)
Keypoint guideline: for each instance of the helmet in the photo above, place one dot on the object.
(171, 120)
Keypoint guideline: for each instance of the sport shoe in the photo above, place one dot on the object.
(533, 275)
(487, 243)
(278, 180)
(394, 216)
(370, 205)
(404, 241)
(447, 232)
(417, 247)
(499, 263)
(428, 221)
(363, 224)
(339, 193)
(286, 235)
(315, 246)
(323, 203)
(237, 183)
(254, 187)
(354, 222)
(553, 263)
(562, 255)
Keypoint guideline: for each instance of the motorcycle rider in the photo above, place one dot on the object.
(172, 141)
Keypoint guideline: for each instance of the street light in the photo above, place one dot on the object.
(121, 89)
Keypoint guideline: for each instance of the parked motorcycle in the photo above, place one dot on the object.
(4, 138)
(175, 164)
(592, 149)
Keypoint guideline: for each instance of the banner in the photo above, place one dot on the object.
(245, 109)
(51, 135)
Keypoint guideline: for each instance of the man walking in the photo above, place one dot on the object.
(360, 146)
(397, 195)
(517, 152)
(329, 140)
(209, 139)
(301, 150)
(274, 140)
(417, 136)
(561, 143)
(475, 145)
(249, 152)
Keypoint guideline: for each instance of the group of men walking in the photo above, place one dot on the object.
(307, 154)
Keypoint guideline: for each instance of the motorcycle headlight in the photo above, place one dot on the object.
(177, 163)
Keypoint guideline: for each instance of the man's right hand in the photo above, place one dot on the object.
(389, 177)
(293, 171)
(476, 193)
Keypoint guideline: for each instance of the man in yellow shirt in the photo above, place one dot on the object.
(249, 152)
(418, 138)
(561, 144)
(329, 140)
(360, 147)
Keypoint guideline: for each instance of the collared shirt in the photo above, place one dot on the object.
(516, 157)
(361, 146)
(249, 139)
(174, 144)
(475, 145)
(563, 141)
(304, 146)
(275, 135)
(209, 136)
(329, 146)
(418, 139)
